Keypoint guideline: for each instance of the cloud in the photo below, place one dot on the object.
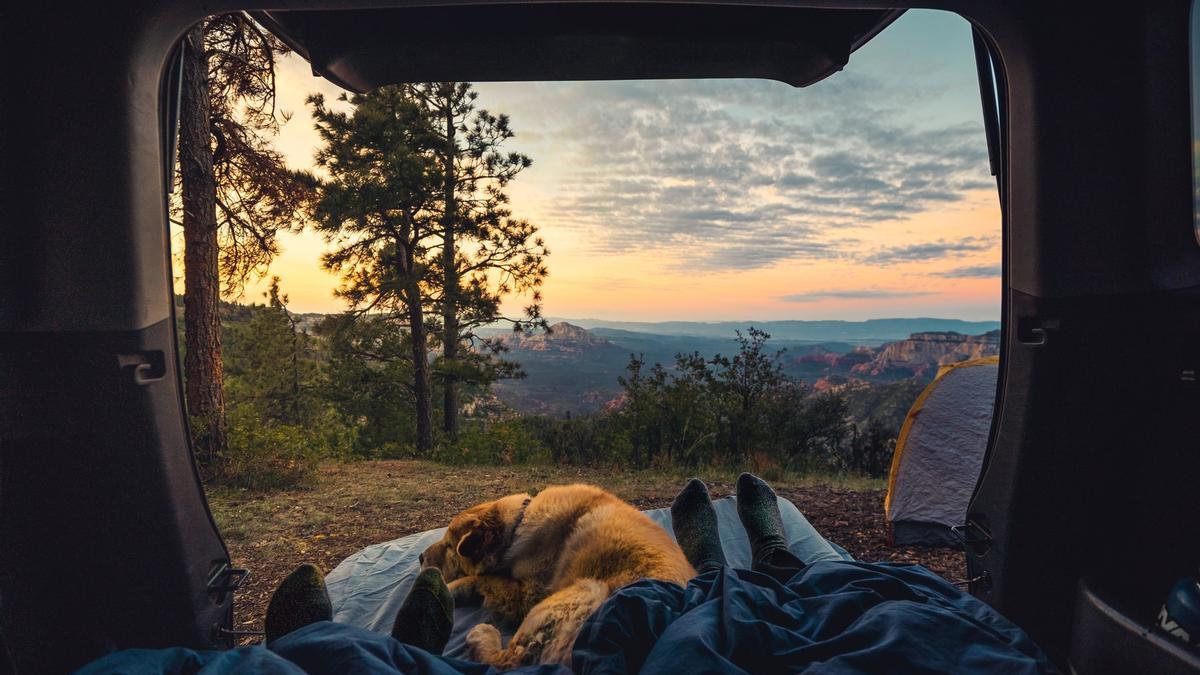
(719, 175)
(933, 250)
(852, 294)
(971, 271)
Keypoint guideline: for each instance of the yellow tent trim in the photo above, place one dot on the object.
(914, 411)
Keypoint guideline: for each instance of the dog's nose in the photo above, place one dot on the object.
(421, 559)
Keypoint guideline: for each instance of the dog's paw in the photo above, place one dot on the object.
(483, 643)
(465, 591)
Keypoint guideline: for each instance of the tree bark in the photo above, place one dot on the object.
(420, 350)
(450, 338)
(295, 369)
(204, 391)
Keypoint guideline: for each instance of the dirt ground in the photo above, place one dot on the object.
(356, 504)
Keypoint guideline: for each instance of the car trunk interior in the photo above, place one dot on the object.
(1084, 515)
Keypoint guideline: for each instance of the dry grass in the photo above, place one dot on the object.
(353, 505)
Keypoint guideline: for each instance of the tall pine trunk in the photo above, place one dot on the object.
(204, 391)
(295, 369)
(422, 395)
(450, 337)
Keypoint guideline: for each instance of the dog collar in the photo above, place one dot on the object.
(519, 519)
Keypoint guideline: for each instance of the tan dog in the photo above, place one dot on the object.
(547, 562)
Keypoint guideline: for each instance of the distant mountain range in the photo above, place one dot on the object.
(874, 331)
(573, 369)
(917, 357)
(879, 363)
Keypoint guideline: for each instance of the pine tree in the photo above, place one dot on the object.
(485, 253)
(236, 193)
(378, 207)
(369, 381)
(747, 379)
(270, 362)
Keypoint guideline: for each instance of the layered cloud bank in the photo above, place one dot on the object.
(864, 195)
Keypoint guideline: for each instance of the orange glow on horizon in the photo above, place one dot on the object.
(646, 287)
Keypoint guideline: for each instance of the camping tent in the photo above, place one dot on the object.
(939, 454)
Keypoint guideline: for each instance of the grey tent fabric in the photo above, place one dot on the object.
(940, 453)
(368, 587)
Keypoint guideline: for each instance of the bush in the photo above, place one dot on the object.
(869, 452)
(384, 450)
(588, 440)
(264, 454)
(505, 442)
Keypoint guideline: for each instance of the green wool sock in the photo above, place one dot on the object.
(759, 512)
(695, 524)
(427, 614)
(300, 600)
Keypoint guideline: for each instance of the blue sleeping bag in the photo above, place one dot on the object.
(830, 617)
(835, 615)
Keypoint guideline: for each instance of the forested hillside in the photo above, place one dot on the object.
(304, 387)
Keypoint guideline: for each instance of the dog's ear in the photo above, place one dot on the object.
(484, 537)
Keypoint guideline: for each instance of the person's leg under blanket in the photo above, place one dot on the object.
(694, 522)
(786, 616)
(256, 660)
(419, 632)
(623, 641)
(301, 638)
(327, 647)
(321, 647)
(843, 617)
(758, 509)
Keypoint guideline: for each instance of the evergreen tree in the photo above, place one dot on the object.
(642, 408)
(370, 381)
(807, 427)
(236, 193)
(726, 408)
(271, 364)
(485, 253)
(692, 409)
(378, 207)
(747, 379)
(870, 449)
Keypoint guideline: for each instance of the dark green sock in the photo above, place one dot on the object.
(759, 512)
(427, 615)
(695, 524)
(300, 600)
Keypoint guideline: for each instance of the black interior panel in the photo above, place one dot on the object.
(1088, 496)
(103, 522)
(364, 49)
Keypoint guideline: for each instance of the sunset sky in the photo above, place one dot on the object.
(863, 196)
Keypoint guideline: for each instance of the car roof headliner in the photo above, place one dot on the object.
(364, 49)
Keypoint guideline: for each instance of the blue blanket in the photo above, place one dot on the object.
(831, 617)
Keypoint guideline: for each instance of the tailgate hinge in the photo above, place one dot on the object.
(975, 537)
(224, 579)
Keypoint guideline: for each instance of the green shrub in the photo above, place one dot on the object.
(586, 440)
(264, 454)
(505, 442)
(869, 452)
(385, 450)
(774, 474)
